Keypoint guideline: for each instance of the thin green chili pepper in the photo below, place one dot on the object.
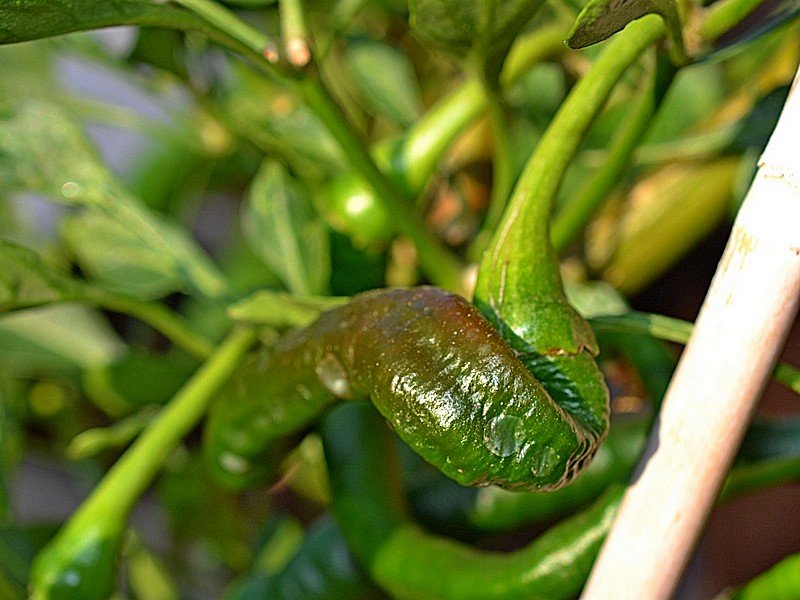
(81, 561)
(411, 564)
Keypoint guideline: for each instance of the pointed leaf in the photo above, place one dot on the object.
(600, 19)
(26, 280)
(22, 20)
(62, 337)
(283, 228)
(284, 125)
(109, 252)
(42, 151)
(385, 80)
(458, 25)
(281, 310)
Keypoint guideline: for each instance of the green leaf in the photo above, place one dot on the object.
(283, 126)
(460, 25)
(385, 80)
(22, 20)
(16, 554)
(281, 310)
(137, 380)
(149, 577)
(283, 228)
(42, 151)
(600, 19)
(27, 72)
(114, 254)
(62, 337)
(26, 281)
(10, 450)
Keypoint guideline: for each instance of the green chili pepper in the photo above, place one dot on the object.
(411, 564)
(454, 390)
(436, 369)
(80, 562)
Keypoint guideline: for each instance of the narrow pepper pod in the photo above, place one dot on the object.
(452, 388)
(411, 564)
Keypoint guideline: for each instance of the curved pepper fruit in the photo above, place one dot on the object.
(452, 388)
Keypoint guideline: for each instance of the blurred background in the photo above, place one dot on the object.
(184, 126)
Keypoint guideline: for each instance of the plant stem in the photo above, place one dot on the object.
(750, 477)
(717, 384)
(425, 143)
(131, 475)
(502, 159)
(788, 376)
(293, 32)
(724, 16)
(441, 265)
(670, 329)
(521, 263)
(159, 317)
(81, 558)
(573, 215)
(780, 581)
(227, 22)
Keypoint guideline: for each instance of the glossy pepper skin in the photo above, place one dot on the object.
(435, 368)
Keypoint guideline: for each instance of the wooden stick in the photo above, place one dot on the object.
(743, 323)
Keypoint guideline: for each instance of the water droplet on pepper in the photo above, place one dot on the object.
(332, 375)
(504, 435)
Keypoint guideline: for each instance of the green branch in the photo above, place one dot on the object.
(520, 268)
(170, 324)
(441, 265)
(573, 215)
(81, 560)
(678, 331)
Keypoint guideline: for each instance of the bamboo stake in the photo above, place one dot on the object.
(743, 323)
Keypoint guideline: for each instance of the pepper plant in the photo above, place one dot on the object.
(347, 213)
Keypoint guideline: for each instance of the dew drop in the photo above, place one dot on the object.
(71, 190)
(543, 462)
(233, 463)
(304, 392)
(332, 375)
(72, 578)
(504, 435)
